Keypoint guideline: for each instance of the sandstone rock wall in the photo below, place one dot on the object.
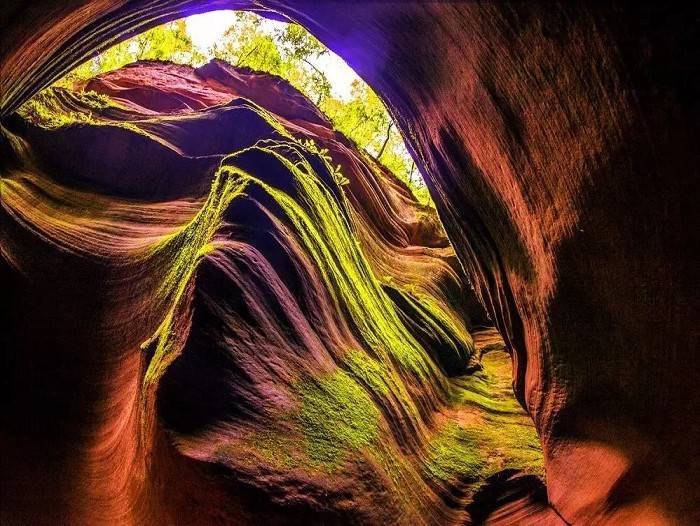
(558, 141)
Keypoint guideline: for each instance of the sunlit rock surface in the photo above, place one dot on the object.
(235, 316)
(559, 143)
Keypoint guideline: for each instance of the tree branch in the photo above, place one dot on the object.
(386, 140)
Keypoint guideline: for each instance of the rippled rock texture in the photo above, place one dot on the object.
(260, 323)
(559, 143)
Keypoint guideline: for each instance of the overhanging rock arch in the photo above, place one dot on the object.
(558, 144)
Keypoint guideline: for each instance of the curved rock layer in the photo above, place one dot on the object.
(558, 141)
(256, 322)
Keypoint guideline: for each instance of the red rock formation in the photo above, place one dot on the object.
(268, 327)
(557, 141)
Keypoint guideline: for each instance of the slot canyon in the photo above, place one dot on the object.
(216, 309)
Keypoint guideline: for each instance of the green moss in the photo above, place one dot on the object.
(276, 448)
(458, 331)
(182, 250)
(319, 217)
(51, 109)
(483, 447)
(489, 389)
(336, 417)
(44, 110)
(503, 430)
(453, 454)
(369, 371)
(457, 346)
(337, 414)
(513, 443)
(479, 391)
(322, 224)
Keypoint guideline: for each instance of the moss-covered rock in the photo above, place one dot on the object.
(337, 417)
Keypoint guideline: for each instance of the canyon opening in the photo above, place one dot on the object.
(244, 281)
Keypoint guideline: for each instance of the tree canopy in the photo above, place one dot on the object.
(165, 42)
